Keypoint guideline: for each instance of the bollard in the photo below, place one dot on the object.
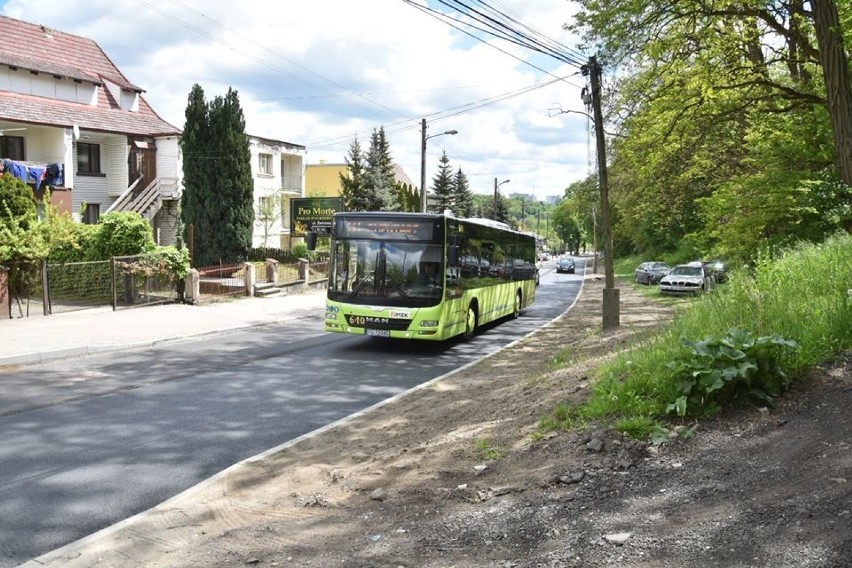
(250, 278)
(303, 272)
(192, 287)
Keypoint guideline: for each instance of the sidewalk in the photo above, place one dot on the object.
(39, 339)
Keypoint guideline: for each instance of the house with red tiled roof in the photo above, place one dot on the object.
(70, 115)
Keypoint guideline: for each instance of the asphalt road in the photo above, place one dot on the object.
(160, 420)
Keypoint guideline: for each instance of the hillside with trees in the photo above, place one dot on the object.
(731, 125)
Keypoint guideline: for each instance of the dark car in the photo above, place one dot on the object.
(565, 264)
(651, 272)
(718, 269)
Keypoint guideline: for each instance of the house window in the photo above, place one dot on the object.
(265, 164)
(88, 158)
(12, 147)
(267, 207)
(92, 214)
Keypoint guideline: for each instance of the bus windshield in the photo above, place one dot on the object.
(386, 272)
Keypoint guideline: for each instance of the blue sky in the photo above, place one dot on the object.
(320, 73)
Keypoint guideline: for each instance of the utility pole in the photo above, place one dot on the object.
(611, 293)
(423, 138)
(496, 197)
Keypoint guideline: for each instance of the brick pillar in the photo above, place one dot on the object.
(271, 270)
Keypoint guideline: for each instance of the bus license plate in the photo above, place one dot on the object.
(379, 332)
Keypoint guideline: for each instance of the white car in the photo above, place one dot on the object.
(692, 278)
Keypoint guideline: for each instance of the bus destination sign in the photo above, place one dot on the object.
(387, 229)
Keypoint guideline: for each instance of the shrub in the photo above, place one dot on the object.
(121, 234)
(301, 251)
(736, 367)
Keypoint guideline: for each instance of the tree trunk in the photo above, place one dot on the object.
(836, 73)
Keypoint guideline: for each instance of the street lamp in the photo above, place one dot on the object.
(423, 139)
(496, 185)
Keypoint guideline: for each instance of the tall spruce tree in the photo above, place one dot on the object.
(443, 185)
(352, 190)
(218, 192)
(463, 205)
(380, 177)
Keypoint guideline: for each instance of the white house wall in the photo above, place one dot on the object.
(285, 181)
(169, 166)
(103, 189)
(116, 164)
(46, 85)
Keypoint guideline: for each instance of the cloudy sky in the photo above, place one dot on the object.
(320, 72)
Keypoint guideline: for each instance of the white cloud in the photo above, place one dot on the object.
(318, 73)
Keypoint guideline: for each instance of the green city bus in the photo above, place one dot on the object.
(425, 276)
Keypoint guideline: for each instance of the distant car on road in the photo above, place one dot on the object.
(565, 264)
(692, 278)
(651, 272)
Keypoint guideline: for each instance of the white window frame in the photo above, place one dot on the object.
(264, 164)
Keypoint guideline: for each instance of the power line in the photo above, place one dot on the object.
(505, 27)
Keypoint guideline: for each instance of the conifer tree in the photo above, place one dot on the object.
(408, 197)
(352, 189)
(463, 205)
(443, 185)
(197, 163)
(380, 178)
(218, 194)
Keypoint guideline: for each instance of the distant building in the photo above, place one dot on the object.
(323, 179)
(277, 169)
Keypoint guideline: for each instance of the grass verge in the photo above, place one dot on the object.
(717, 347)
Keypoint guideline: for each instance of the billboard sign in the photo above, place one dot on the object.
(313, 215)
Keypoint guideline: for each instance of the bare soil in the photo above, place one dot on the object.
(409, 485)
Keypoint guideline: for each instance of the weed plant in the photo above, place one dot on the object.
(800, 297)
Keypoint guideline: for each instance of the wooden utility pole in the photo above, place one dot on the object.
(611, 308)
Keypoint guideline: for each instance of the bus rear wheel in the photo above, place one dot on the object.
(470, 322)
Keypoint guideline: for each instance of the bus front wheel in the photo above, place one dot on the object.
(470, 322)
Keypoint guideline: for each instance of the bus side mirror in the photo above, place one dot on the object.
(311, 239)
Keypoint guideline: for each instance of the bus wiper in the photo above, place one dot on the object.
(361, 283)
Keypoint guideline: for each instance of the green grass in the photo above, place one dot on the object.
(487, 449)
(802, 295)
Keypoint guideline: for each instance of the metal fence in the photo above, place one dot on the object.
(75, 286)
(222, 280)
(142, 280)
(26, 289)
(39, 288)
